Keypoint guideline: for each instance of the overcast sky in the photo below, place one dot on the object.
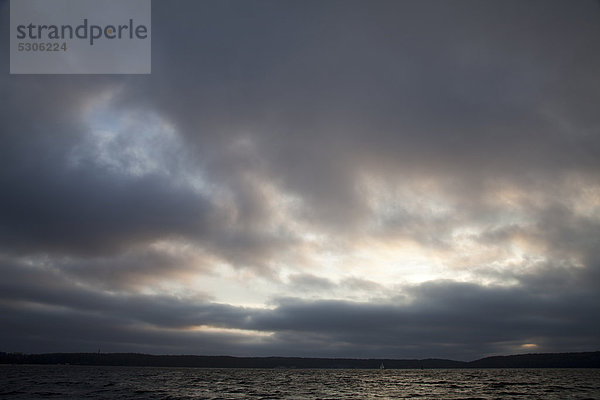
(392, 179)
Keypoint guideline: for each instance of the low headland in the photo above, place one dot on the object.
(543, 360)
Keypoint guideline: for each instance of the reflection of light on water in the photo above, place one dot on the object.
(262, 383)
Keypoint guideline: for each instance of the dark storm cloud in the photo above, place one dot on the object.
(49, 206)
(442, 318)
(466, 91)
(133, 269)
(52, 288)
(84, 212)
(72, 331)
(325, 91)
(309, 98)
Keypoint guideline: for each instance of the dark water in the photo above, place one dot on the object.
(80, 382)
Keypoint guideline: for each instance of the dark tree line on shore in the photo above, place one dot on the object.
(548, 360)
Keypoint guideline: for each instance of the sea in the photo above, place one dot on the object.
(93, 382)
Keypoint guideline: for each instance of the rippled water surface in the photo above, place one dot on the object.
(81, 382)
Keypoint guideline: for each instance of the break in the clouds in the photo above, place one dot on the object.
(358, 179)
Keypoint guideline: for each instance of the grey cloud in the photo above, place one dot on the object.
(473, 319)
(443, 319)
(466, 315)
(132, 270)
(308, 282)
(308, 97)
(566, 232)
(91, 213)
(561, 233)
(318, 123)
(84, 332)
(312, 285)
(50, 288)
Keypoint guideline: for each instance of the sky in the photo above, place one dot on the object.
(366, 179)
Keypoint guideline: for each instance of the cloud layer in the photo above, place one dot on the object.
(398, 179)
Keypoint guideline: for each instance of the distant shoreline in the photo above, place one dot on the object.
(533, 360)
